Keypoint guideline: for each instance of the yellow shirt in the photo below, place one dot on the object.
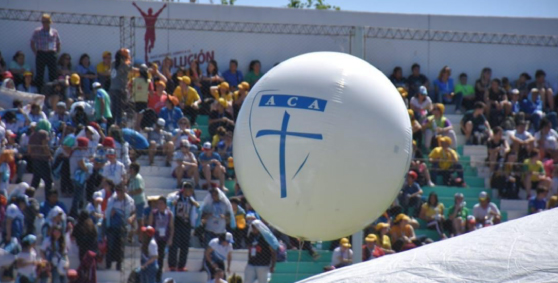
(102, 68)
(385, 242)
(140, 89)
(189, 97)
(446, 158)
(216, 140)
(430, 211)
(534, 169)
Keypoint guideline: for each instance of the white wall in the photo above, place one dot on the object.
(505, 60)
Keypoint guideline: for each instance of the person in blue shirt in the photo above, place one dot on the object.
(411, 194)
(538, 202)
(88, 75)
(210, 162)
(233, 76)
(51, 202)
(532, 106)
(171, 114)
(444, 88)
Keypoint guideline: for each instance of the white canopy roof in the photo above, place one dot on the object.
(522, 250)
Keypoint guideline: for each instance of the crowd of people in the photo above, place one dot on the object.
(96, 122)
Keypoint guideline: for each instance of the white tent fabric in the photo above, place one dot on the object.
(522, 250)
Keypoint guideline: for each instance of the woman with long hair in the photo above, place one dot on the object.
(28, 85)
(87, 74)
(254, 72)
(121, 68)
(195, 74)
(211, 78)
(64, 65)
(18, 67)
(55, 251)
(483, 83)
(432, 212)
(85, 234)
(402, 234)
(382, 233)
(444, 88)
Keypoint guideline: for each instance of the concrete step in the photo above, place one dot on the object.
(483, 171)
(514, 205)
(475, 150)
(515, 214)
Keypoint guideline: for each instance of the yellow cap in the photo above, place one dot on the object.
(74, 79)
(224, 85)
(440, 106)
(27, 73)
(223, 102)
(371, 238)
(185, 79)
(244, 86)
(400, 217)
(402, 91)
(107, 53)
(345, 243)
(381, 226)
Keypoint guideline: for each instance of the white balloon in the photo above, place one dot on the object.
(321, 145)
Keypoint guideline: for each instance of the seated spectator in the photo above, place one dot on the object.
(233, 76)
(225, 149)
(520, 140)
(185, 132)
(432, 212)
(159, 141)
(404, 94)
(416, 80)
(239, 96)
(457, 216)
(195, 74)
(188, 97)
(544, 88)
(218, 277)
(534, 173)
(438, 125)
(444, 88)
(220, 117)
(28, 85)
(445, 162)
(87, 75)
(212, 77)
(342, 256)
(411, 194)
(471, 224)
(497, 149)
(217, 252)
(218, 137)
(73, 89)
(60, 115)
(254, 72)
(18, 67)
(103, 114)
(421, 104)
(511, 175)
(184, 164)
(546, 139)
(467, 92)
(538, 202)
(402, 234)
(103, 70)
(486, 212)
(171, 114)
(474, 125)
(8, 84)
(382, 234)
(211, 166)
(495, 98)
(157, 99)
(521, 84)
(514, 106)
(419, 167)
(397, 78)
(222, 91)
(371, 250)
(532, 106)
(416, 127)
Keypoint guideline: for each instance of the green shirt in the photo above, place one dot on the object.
(466, 90)
(252, 78)
(463, 213)
(102, 95)
(136, 183)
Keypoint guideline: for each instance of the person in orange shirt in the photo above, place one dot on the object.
(158, 98)
(402, 234)
(445, 162)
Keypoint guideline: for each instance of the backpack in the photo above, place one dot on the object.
(149, 118)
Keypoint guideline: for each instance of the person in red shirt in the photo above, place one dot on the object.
(370, 250)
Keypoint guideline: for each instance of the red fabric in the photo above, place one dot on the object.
(549, 167)
(377, 252)
(87, 270)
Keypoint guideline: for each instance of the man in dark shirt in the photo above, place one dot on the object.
(416, 79)
(40, 155)
(411, 193)
(474, 123)
(261, 256)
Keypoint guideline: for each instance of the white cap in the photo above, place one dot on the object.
(185, 143)
(161, 122)
(96, 85)
(423, 90)
(207, 145)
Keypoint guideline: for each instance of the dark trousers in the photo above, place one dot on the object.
(116, 238)
(180, 241)
(161, 246)
(42, 171)
(446, 174)
(66, 185)
(117, 98)
(45, 59)
(192, 113)
(410, 202)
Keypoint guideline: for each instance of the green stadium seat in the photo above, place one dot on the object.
(293, 255)
(474, 181)
(202, 120)
(288, 277)
(460, 150)
(300, 267)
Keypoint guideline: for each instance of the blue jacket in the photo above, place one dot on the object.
(171, 117)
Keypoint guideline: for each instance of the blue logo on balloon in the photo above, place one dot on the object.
(293, 102)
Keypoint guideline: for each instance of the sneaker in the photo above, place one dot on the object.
(430, 184)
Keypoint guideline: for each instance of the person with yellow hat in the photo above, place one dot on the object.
(438, 125)
(27, 85)
(445, 162)
(341, 256)
(103, 70)
(382, 236)
(403, 234)
(371, 250)
(239, 96)
(189, 98)
(416, 126)
(74, 90)
(220, 116)
(222, 91)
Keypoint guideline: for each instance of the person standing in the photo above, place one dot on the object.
(161, 220)
(184, 208)
(149, 255)
(45, 43)
(262, 247)
(119, 213)
(136, 189)
(120, 70)
(40, 155)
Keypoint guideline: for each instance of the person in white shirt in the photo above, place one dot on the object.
(218, 250)
(55, 250)
(93, 136)
(26, 260)
(547, 138)
(342, 255)
(114, 169)
(185, 164)
(218, 277)
(486, 212)
(421, 103)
